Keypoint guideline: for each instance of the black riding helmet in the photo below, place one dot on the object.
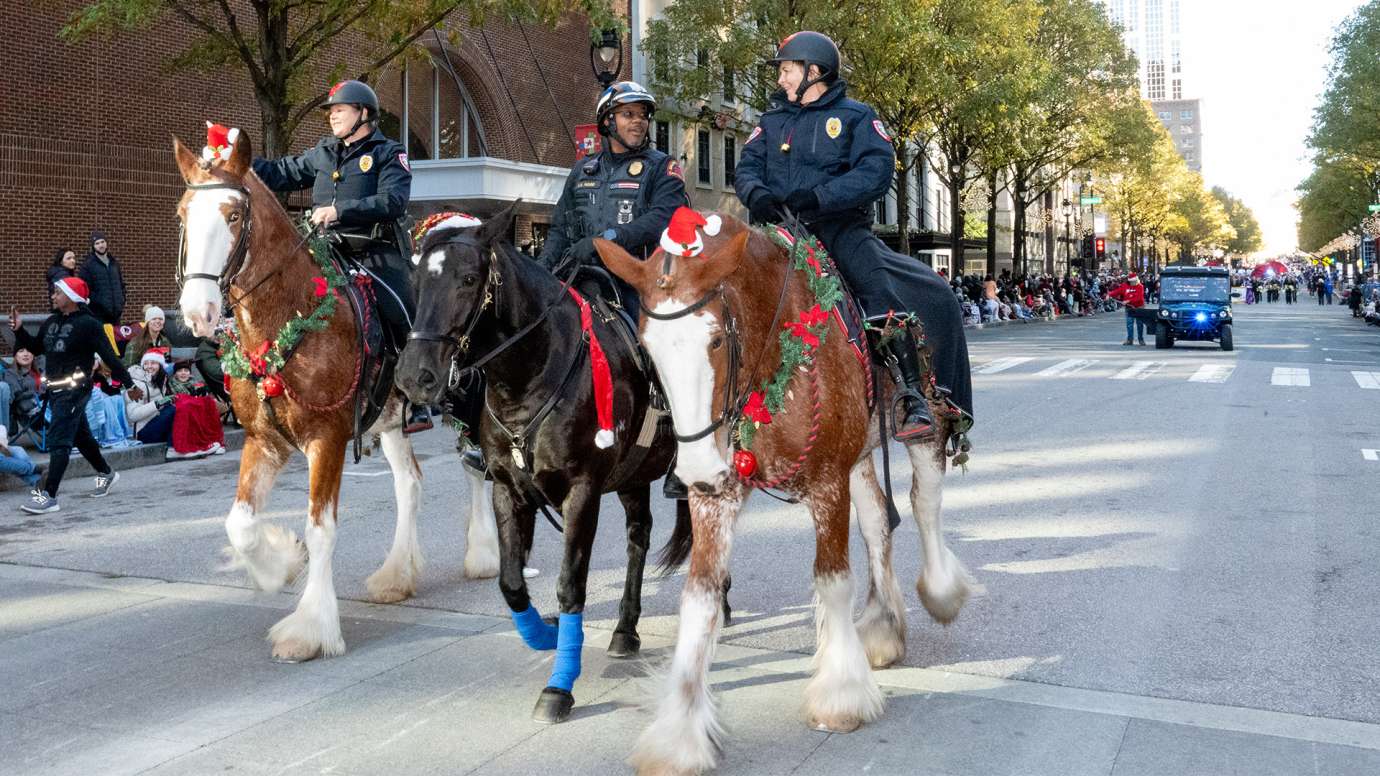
(810, 48)
(358, 94)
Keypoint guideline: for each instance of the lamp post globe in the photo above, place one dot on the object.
(606, 57)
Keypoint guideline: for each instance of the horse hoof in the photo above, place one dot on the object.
(293, 652)
(553, 705)
(624, 645)
(839, 723)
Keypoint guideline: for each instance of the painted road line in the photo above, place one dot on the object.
(1292, 376)
(1369, 380)
(1001, 365)
(1140, 370)
(1213, 373)
(1370, 455)
(1067, 367)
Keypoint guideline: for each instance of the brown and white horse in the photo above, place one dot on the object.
(710, 326)
(239, 236)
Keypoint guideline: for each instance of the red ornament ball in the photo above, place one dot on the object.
(745, 462)
(272, 385)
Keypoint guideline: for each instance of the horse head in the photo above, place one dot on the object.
(687, 328)
(216, 221)
(456, 278)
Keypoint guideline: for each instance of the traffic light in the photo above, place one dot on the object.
(1101, 248)
(1087, 247)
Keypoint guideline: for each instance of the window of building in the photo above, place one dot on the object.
(730, 158)
(1166, 115)
(730, 92)
(1185, 115)
(1178, 91)
(702, 58)
(663, 137)
(1186, 129)
(881, 211)
(439, 114)
(702, 156)
(1188, 142)
(1190, 155)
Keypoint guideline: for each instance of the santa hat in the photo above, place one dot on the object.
(220, 142)
(682, 237)
(153, 354)
(75, 289)
(599, 373)
(1133, 278)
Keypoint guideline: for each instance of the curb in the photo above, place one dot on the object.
(120, 459)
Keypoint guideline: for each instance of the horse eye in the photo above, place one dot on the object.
(716, 343)
(469, 280)
(234, 217)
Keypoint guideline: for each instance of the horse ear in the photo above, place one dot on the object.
(637, 274)
(726, 260)
(187, 162)
(242, 157)
(500, 226)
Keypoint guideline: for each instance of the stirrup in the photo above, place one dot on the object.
(915, 423)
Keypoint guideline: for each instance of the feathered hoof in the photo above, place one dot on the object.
(834, 723)
(553, 706)
(294, 651)
(387, 587)
(944, 602)
(624, 645)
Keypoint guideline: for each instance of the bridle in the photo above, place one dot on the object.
(461, 344)
(234, 263)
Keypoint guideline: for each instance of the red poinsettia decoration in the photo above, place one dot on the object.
(811, 260)
(756, 408)
(257, 364)
(800, 329)
(322, 286)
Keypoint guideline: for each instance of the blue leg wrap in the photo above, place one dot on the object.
(535, 633)
(568, 644)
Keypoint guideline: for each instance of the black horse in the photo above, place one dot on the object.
(484, 306)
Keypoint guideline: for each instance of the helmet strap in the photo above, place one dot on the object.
(611, 130)
(806, 82)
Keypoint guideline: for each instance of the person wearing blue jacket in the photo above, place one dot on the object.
(828, 159)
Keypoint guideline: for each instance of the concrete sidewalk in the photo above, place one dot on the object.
(123, 675)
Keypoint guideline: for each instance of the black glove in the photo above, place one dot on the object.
(583, 251)
(765, 208)
(802, 201)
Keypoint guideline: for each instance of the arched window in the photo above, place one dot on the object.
(437, 111)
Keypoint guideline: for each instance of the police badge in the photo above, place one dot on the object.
(833, 127)
(366, 163)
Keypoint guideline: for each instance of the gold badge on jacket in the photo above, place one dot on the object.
(635, 168)
(833, 127)
(366, 163)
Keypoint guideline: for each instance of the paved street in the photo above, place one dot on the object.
(1176, 548)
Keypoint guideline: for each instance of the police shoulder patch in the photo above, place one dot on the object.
(673, 169)
(756, 131)
(402, 159)
(881, 130)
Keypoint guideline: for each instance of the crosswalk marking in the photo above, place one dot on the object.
(1001, 365)
(1068, 367)
(1212, 373)
(1140, 370)
(1293, 376)
(1370, 455)
(1369, 380)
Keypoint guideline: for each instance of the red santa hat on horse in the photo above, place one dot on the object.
(220, 142)
(682, 236)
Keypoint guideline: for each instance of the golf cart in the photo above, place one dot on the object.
(1195, 305)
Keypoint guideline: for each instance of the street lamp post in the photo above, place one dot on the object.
(1068, 244)
(606, 57)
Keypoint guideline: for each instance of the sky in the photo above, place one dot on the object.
(1259, 67)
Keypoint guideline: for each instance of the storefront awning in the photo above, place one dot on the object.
(486, 180)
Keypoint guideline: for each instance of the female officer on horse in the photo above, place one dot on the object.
(828, 159)
(360, 186)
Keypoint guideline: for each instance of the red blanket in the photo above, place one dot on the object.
(196, 424)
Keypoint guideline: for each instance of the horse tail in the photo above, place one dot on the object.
(678, 547)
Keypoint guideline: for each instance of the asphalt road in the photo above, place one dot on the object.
(1185, 524)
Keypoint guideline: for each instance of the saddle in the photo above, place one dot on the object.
(378, 353)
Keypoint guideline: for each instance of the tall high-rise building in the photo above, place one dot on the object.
(1152, 29)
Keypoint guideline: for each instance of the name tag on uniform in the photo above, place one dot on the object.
(627, 185)
(587, 184)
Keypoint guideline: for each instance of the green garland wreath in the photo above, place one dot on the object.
(799, 338)
(271, 355)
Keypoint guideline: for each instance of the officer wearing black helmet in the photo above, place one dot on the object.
(626, 193)
(829, 159)
(360, 186)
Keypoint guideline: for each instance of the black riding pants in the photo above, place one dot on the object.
(397, 300)
(69, 427)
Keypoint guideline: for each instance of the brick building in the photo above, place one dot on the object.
(85, 137)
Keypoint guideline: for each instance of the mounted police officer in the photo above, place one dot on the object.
(829, 159)
(360, 186)
(626, 193)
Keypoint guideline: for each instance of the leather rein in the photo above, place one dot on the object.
(239, 252)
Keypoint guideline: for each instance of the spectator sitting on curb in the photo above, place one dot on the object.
(196, 423)
(14, 460)
(105, 413)
(151, 336)
(151, 415)
(25, 385)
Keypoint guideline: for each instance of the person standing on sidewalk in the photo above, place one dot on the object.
(1132, 295)
(71, 339)
(106, 281)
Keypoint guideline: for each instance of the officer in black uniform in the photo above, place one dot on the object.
(360, 185)
(829, 159)
(626, 193)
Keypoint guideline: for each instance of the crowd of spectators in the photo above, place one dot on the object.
(1005, 297)
(145, 397)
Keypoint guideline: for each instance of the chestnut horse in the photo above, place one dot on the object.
(240, 241)
(710, 324)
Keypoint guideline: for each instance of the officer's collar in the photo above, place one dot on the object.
(833, 94)
(368, 139)
(617, 158)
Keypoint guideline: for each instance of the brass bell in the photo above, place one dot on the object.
(785, 148)
(335, 176)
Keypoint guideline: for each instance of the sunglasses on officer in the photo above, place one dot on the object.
(632, 113)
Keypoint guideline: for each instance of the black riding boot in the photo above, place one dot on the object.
(913, 422)
(672, 487)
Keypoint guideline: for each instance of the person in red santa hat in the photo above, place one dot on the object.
(71, 338)
(1132, 294)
